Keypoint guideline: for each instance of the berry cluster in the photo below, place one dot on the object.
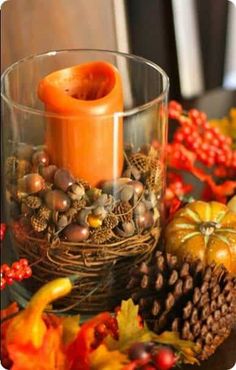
(102, 330)
(18, 271)
(198, 135)
(150, 356)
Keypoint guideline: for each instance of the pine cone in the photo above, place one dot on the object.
(38, 223)
(111, 221)
(139, 161)
(124, 212)
(198, 302)
(33, 201)
(44, 212)
(101, 235)
(78, 204)
(154, 181)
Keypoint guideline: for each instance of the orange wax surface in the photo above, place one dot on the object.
(84, 137)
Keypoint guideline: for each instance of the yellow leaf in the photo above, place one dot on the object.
(102, 359)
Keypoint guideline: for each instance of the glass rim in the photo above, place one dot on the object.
(124, 113)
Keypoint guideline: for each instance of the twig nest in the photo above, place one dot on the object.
(94, 221)
(76, 191)
(137, 186)
(76, 233)
(63, 179)
(115, 186)
(126, 229)
(48, 172)
(145, 220)
(24, 151)
(39, 158)
(126, 193)
(31, 183)
(57, 200)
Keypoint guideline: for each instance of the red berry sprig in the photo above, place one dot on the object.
(197, 135)
(18, 271)
(3, 229)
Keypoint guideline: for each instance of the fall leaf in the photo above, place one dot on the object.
(103, 359)
(129, 328)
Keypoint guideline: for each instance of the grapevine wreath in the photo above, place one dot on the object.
(181, 303)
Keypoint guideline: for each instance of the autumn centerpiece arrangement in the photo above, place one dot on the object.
(180, 301)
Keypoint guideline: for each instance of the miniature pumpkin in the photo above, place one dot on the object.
(206, 231)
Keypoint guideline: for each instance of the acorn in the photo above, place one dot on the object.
(100, 212)
(127, 229)
(48, 172)
(137, 186)
(94, 221)
(82, 217)
(140, 209)
(114, 186)
(57, 200)
(76, 191)
(76, 233)
(145, 220)
(24, 151)
(63, 179)
(40, 158)
(62, 221)
(31, 183)
(126, 193)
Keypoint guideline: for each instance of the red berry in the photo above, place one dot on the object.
(27, 272)
(19, 276)
(23, 262)
(5, 268)
(16, 266)
(138, 351)
(9, 280)
(3, 283)
(165, 358)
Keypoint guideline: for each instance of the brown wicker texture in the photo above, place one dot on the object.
(102, 269)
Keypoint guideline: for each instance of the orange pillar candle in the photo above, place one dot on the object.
(84, 137)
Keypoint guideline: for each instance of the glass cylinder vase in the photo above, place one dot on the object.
(84, 139)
